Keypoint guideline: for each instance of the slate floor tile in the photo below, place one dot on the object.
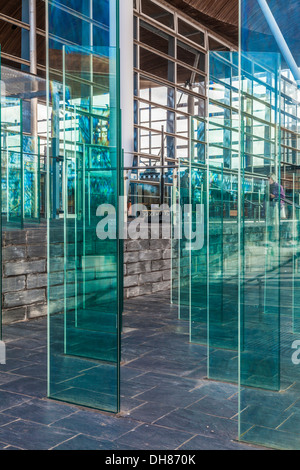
(7, 399)
(33, 436)
(27, 386)
(207, 443)
(175, 396)
(129, 404)
(13, 364)
(39, 357)
(216, 407)
(6, 377)
(155, 379)
(5, 419)
(98, 425)
(41, 411)
(218, 389)
(133, 388)
(155, 438)
(127, 373)
(31, 344)
(200, 423)
(149, 412)
(38, 371)
(15, 353)
(12, 448)
(83, 442)
(178, 368)
(3, 446)
(199, 373)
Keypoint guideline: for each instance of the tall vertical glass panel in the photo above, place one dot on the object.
(269, 337)
(198, 227)
(183, 261)
(84, 181)
(12, 163)
(223, 216)
(190, 258)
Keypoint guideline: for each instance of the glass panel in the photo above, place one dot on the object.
(21, 187)
(198, 257)
(190, 56)
(195, 81)
(157, 13)
(270, 354)
(184, 253)
(176, 220)
(190, 253)
(157, 65)
(32, 173)
(12, 164)
(223, 274)
(156, 92)
(191, 33)
(223, 224)
(84, 253)
(156, 38)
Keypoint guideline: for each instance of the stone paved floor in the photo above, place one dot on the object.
(166, 401)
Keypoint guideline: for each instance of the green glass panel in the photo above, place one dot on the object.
(175, 245)
(198, 231)
(12, 163)
(20, 168)
(191, 246)
(184, 279)
(260, 255)
(84, 251)
(20, 157)
(223, 224)
(269, 416)
(198, 255)
(32, 172)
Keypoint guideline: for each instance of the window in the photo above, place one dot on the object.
(158, 13)
(191, 33)
(157, 39)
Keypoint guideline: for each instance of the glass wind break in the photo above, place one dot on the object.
(269, 411)
(84, 174)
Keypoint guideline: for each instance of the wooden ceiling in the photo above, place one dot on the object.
(11, 34)
(221, 16)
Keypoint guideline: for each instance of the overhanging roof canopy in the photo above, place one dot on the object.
(221, 16)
